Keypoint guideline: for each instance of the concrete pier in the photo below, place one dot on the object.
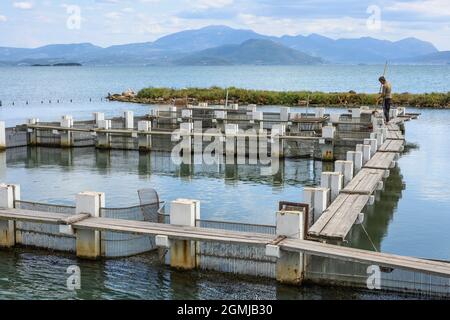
(183, 253)
(145, 139)
(88, 241)
(346, 169)
(9, 193)
(290, 265)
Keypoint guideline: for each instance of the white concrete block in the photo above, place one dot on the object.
(345, 168)
(219, 114)
(162, 241)
(184, 212)
(332, 181)
(273, 251)
(317, 199)
(203, 104)
(129, 119)
(356, 113)
(373, 146)
(186, 127)
(357, 158)
(366, 151)
(328, 132)
(144, 126)
(98, 116)
(334, 117)
(284, 113)
(90, 202)
(290, 224)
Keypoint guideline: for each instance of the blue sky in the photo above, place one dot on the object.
(32, 23)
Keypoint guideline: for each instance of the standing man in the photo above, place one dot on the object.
(386, 96)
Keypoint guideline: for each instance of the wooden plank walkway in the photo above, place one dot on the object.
(395, 135)
(365, 182)
(236, 237)
(392, 146)
(337, 220)
(381, 160)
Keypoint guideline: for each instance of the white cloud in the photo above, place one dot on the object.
(24, 5)
(128, 10)
(433, 8)
(207, 4)
(3, 18)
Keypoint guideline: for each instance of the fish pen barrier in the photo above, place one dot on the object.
(113, 244)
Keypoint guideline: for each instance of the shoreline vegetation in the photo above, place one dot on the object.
(216, 96)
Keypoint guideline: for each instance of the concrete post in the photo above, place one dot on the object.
(144, 139)
(365, 149)
(129, 120)
(186, 114)
(88, 241)
(356, 113)
(33, 136)
(2, 136)
(290, 265)
(284, 114)
(186, 129)
(346, 169)
(66, 136)
(335, 117)
(332, 181)
(328, 132)
(183, 253)
(319, 112)
(98, 116)
(373, 146)
(8, 194)
(377, 136)
(277, 144)
(317, 199)
(103, 138)
(231, 130)
(357, 158)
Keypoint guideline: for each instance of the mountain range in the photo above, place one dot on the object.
(222, 45)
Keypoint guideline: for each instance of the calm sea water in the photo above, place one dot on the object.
(411, 217)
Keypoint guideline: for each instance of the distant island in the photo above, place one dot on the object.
(222, 45)
(68, 64)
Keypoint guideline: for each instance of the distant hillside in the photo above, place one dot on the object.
(442, 57)
(253, 52)
(187, 45)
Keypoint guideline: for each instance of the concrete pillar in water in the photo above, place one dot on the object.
(332, 181)
(356, 114)
(373, 146)
(98, 116)
(183, 253)
(290, 265)
(129, 120)
(9, 193)
(277, 144)
(66, 136)
(88, 241)
(186, 129)
(2, 136)
(104, 138)
(346, 169)
(231, 130)
(32, 133)
(145, 139)
(357, 158)
(186, 114)
(220, 117)
(284, 114)
(377, 136)
(317, 199)
(365, 149)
